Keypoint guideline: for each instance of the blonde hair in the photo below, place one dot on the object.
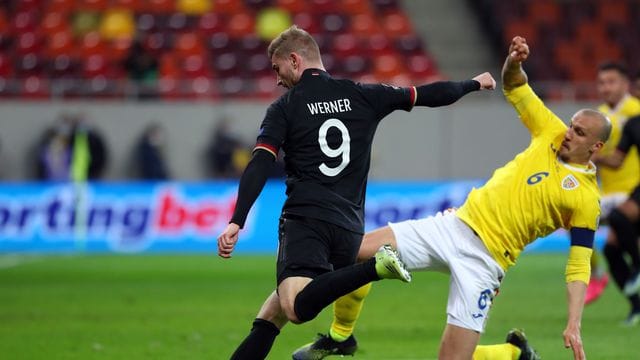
(296, 40)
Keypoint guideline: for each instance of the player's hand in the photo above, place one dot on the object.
(518, 50)
(487, 82)
(573, 340)
(227, 240)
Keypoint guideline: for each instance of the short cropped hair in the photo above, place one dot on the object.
(614, 66)
(296, 40)
(605, 131)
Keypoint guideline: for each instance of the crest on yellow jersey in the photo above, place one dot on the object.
(570, 182)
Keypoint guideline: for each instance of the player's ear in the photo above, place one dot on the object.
(597, 146)
(295, 60)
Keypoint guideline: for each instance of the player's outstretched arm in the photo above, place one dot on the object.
(576, 291)
(251, 184)
(442, 93)
(512, 73)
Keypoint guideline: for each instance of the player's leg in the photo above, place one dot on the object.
(620, 272)
(516, 347)
(263, 333)
(458, 343)
(599, 278)
(624, 221)
(327, 287)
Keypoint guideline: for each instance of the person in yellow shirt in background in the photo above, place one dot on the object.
(552, 184)
(616, 184)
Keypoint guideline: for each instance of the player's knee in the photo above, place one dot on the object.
(288, 308)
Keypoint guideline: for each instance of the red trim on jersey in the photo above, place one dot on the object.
(270, 148)
(414, 95)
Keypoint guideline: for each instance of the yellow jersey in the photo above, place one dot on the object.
(535, 193)
(625, 178)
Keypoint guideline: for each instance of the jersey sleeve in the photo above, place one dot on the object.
(586, 215)
(534, 114)
(626, 140)
(272, 130)
(386, 98)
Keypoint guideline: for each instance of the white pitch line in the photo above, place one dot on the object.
(12, 260)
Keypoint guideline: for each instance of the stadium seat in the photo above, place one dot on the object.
(355, 7)
(364, 25)
(93, 44)
(28, 65)
(396, 24)
(346, 45)
(24, 21)
(387, 66)
(614, 12)
(92, 5)
(35, 88)
(193, 7)
(229, 7)
(60, 43)
(161, 6)
(195, 66)
(334, 24)
(293, 6)
(409, 45)
(117, 23)
(227, 64)
(259, 65)
(180, 22)
(6, 67)
(28, 42)
(378, 45)
(240, 25)
(54, 22)
(355, 66)
(188, 44)
(308, 22)
(61, 6)
(156, 43)
(544, 12)
(62, 67)
(211, 23)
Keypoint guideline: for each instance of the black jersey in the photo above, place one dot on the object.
(630, 135)
(325, 127)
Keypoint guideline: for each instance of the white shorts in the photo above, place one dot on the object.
(445, 243)
(611, 201)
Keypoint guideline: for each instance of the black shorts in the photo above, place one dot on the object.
(635, 195)
(310, 247)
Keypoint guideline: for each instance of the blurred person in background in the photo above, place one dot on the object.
(550, 185)
(71, 151)
(326, 127)
(635, 86)
(625, 221)
(226, 155)
(616, 184)
(150, 158)
(142, 68)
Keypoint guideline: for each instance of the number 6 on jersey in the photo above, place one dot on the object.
(343, 149)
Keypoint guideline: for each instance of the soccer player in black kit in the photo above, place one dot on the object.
(325, 127)
(625, 221)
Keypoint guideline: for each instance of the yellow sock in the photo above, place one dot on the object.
(497, 352)
(346, 311)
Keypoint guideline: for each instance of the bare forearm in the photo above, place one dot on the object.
(576, 291)
(613, 161)
(512, 74)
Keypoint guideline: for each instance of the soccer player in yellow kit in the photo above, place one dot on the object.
(615, 184)
(550, 185)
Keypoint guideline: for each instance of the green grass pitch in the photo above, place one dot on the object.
(201, 307)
